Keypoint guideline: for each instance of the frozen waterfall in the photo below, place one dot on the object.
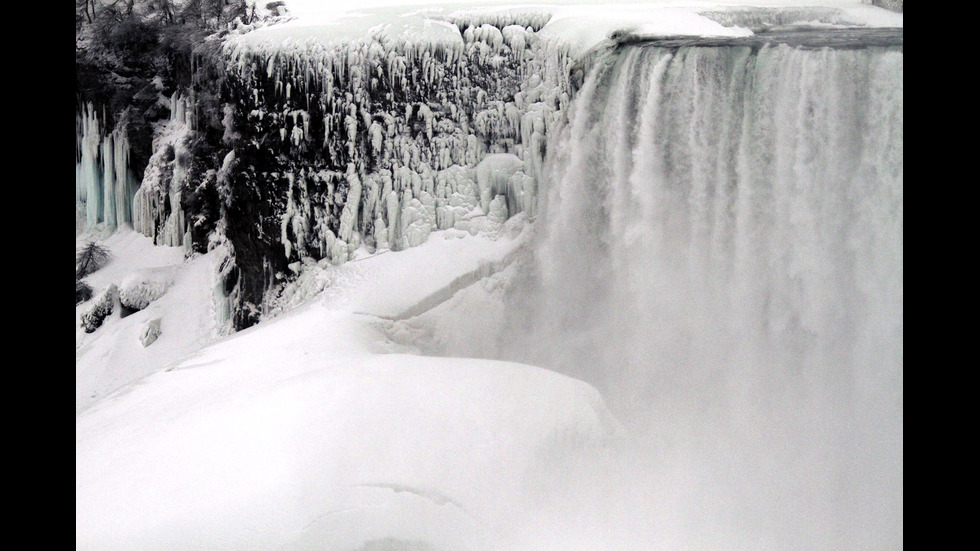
(104, 181)
(720, 252)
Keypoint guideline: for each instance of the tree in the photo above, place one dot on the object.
(83, 291)
(90, 258)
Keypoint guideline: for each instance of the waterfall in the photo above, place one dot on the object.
(719, 251)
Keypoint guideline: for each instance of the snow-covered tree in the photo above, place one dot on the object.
(90, 258)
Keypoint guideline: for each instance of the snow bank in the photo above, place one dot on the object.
(139, 289)
(313, 430)
(392, 285)
(293, 434)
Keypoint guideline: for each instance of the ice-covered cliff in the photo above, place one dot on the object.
(368, 145)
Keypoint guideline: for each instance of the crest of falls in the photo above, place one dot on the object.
(719, 251)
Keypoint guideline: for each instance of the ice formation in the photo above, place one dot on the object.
(104, 181)
(383, 134)
(157, 209)
(371, 143)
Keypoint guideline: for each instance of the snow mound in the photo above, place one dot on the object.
(293, 434)
(139, 289)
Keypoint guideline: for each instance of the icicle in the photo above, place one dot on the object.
(88, 182)
(109, 180)
(348, 218)
(381, 235)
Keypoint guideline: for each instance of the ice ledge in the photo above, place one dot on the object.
(580, 25)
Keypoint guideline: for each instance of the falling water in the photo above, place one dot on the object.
(720, 253)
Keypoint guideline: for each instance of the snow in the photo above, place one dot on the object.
(312, 429)
(263, 442)
(113, 357)
(581, 25)
(141, 288)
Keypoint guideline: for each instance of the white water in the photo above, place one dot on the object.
(720, 253)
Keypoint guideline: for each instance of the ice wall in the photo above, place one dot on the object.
(721, 254)
(104, 182)
(158, 211)
(328, 148)
(378, 141)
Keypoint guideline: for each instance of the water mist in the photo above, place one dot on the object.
(719, 251)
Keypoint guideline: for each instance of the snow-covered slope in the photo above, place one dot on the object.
(296, 435)
(113, 356)
(312, 430)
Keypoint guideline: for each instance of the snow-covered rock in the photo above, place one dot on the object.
(150, 331)
(141, 288)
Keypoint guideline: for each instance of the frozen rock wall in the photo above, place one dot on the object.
(361, 145)
(376, 143)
